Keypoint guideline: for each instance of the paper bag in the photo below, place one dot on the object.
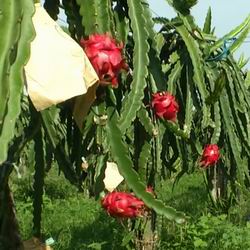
(35, 244)
(83, 104)
(112, 177)
(58, 68)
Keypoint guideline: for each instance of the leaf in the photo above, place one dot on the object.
(96, 16)
(121, 156)
(157, 150)
(240, 79)
(17, 32)
(97, 245)
(38, 177)
(200, 243)
(182, 6)
(122, 23)
(207, 24)
(217, 125)
(240, 39)
(219, 85)
(74, 19)
(174, 128)
(173, 58)
(189, 105)
(144, 158)
(99, 174)
(247, 80)
(234, 141)
(52, 7)
(140, 62)
(161, 20)
(127, 238)
(174, 75)
(242, 62)
(88, 11)
(239, 111)
(231, 34)
(104, 14)
(154, 53)
(195, 55)
(146, 121)
(55, 138)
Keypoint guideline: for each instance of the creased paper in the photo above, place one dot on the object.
(35, 244)
(112, 177)
(83, 104)
(58, 68)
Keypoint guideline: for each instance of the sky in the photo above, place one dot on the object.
(226, 14)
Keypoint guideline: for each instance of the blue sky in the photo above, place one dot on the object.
(226, 14)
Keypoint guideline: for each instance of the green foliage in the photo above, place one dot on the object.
(218, 87)
(215, 87)
(247, 80)
(18, 32)
(209, 232)
(133, 101)
(242, 62)
(74, 19)
(194, 53)
(38, 178)
(75, 222)
(125, 166)
(207, 24)
(96, 16)
(55, 133)
(86, 226)
(183, 6)
(233, 33)
(212, 94)
(52, 7)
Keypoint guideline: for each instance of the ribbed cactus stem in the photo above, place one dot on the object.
(38, 184)
(38, 178)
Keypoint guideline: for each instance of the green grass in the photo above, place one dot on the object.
(73, 223)
(71, 219)
(189, 195)
(78, 223)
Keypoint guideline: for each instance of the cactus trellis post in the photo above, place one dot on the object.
(213, 100)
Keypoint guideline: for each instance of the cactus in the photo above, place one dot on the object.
(18, 32)
(182, 58)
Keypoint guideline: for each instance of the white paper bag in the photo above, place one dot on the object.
(58, 68)
(112, 177)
